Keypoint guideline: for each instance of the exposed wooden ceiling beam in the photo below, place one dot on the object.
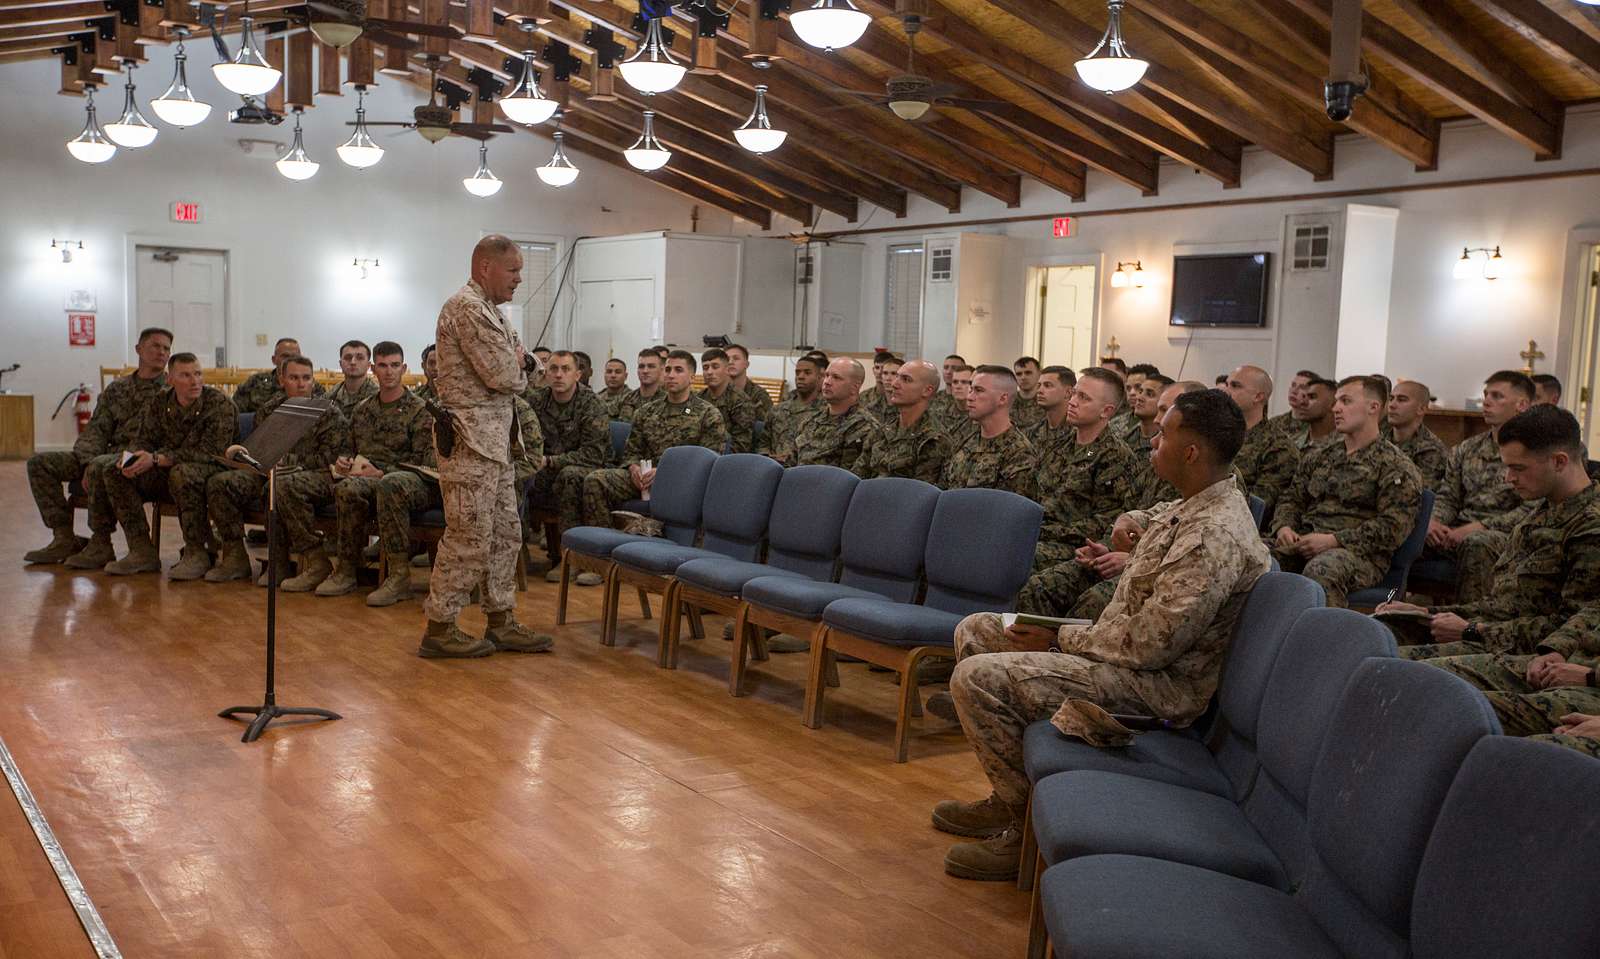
(63, 13)
(1552, 33)
(1127, 169)
(1502, 73)
(1285, 74)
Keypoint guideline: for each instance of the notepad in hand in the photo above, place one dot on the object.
(1418, 615)
(1048, 622)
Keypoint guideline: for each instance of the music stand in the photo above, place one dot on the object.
(268, 445)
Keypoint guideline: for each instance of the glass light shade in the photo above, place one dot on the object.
(335, 33)
(360, 151)
(909, 109)
(1109, 67)
(756, 133)
(91, 145)
(1138, 278)
(647, 153)
(830, 24)
(178, 105)
(1119, 279)
(1463, 267)
(433, 134)
(652, 68)
(1492, 265)
(483, 182)
(248, 73)
(297, 164)
(559, 171)
(527, 103)
(131, 129)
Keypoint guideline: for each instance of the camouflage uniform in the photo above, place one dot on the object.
(827, 440)
(345, 400)
(230, 493)
(1429, 455)
(110, 431)
(426, 392)
(1522, 708)
(1548, 572)
(478, 382)
(530, 459)
(635, 401)
(777, 436)
(918, 451)
(1368, 499)
(390, 435)
(1284, 423)
(257, 388)
(1157, 651)
(1475, 491)
(657, 427)
(577, 440)
(760, 400)
(192, 437)
(946, 410)
(1005, 462)
(613, 401)
(875, 402)
(1123, 421)
(1042, 435)
(739, 416)
(1083, 488)
(1026, 411)
(1266, 464)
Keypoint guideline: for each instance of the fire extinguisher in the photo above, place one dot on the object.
(82, 407)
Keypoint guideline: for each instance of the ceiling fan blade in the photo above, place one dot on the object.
(399, 133)
(284, 30)
(330, 11)
(388, 39)
(969, 104)
(481, 128)
(381, 123)
(422, 29)
(471, 134)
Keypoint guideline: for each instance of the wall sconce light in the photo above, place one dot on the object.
(1468, 266)
(66, 247)
(363, 265)
(1125, 277)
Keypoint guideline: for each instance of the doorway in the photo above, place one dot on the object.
(1587, 356)
(612, 311)
(185, 291)
(1063, 314)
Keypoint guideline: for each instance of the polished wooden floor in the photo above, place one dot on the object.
(582, 803)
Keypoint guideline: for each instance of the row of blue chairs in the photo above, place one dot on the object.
(879, 569)
(1338, 802)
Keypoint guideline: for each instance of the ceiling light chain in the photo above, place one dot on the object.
(1109, 67)
(652, 68)
(647, 153)
(91, 145)
(131, 129)
(178, 106)
(757, 134)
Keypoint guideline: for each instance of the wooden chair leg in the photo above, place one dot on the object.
(1038, 936)
(608, 609)
(644, 604)
(383, 566)
(562, 590)
(811, 715)
(741, 637)
(666, 640)
(1030, 846)
(155, 527)
(910, 705)
(758, 644)
(833, 672)
(697, 627)
(522, 569)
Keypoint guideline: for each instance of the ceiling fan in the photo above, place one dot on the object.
(435, 121)
(911, 95)
(339, 22)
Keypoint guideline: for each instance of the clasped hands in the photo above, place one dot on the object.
(1446, 538)
(1307, 545)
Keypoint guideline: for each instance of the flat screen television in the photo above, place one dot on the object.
(1220, 289)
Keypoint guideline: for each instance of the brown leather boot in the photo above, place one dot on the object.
(95, 555)
(63, 544)
(447, 641)
(397, 586)
(234, 564)
(976, 820)
(988, 860)
(510, 636)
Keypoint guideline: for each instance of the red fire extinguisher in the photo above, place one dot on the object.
(82, 406)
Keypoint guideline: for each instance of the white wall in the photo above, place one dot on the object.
(290, 243)
(1364, 289)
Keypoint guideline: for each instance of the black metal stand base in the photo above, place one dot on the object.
(266, 714)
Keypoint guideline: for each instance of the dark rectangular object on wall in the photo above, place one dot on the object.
(1225, 289)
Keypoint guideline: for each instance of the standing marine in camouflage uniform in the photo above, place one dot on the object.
(257, 388)
(1427, 452)
(480, 374)
(180, 434)
(1085, 483)
(355, 362)
(911, 445)
(998, 456)
(1352, 503)
(1267, 462)
(1157, 651)
(834, 434)
(1475, 508)
(739, 377)
(678, 417)
(648, 368)
(577, 437)
(230, 493)
(777, 437)
(1027, 411)
(737, 413)
(110, 430)
(614, 397)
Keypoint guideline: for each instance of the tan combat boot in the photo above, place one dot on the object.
(397, 586)
(266, 571)
(192, 564)
(447, 641)
(510, 636)
(234, 564)
(142, 558)
(314, 568)
(63, 544)
(975, 820)
(341, 581)
(988, 860)
(94, 556)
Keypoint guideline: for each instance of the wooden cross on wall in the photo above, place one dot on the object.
(1531, 354)
(1111, 348)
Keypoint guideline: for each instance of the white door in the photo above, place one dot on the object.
(1066, 316)
(610, 312)
(185, 291)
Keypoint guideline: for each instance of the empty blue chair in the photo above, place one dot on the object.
(245, 426)
(1400, 565)
(979, 553)
(803, 536)
(1258, 510)
(738, 501)
(1392, 751)
(678, 493)
(619, 438)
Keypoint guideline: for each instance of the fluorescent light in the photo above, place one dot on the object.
(360, 151)
(830, 24)
(297, 164)
(131, 129)
(527, 103)
(483, 182)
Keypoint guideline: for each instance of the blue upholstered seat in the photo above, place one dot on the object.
(738, 499)
(904, 625)
(1400, 565)
(1177, 757)
(619, 438)
(677, 497)
(245, 425)
(795, 596)
(596, 541)
(655, 556)
(725, 576)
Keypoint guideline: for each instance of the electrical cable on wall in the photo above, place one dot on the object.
(564, 266)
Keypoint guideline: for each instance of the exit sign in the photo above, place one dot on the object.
(184, 212)
(1063, 226)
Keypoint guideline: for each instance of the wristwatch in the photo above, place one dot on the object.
(1471, 633)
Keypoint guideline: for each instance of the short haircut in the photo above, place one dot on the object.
(819, 356)
(1222, 379)
(177, 358)
(1216, 419)
(349, 343)
(1004, 378)
(565, 353)
(882, 356)
(648, 351)
(492, 245)
(1545, 429)
(150, 331)
(304, 361)
(957, 357)
(1518, 381)
(388, 348)
(1308, 374)
(1164, 381)
(285, 339)
(1187, 386)
(543, 349)
(662, 351)
(685, 356)
(583, 359)
(964, 368)
(714, 354)
(1374, 387)
(1103, 375)
(1025, 361)
(1548, 381)
(815, 361)
(427, 351)
(1323, 381)
(1144, 369)
(735, 346)
(618, 362)
(1118, 362)
(894, 361)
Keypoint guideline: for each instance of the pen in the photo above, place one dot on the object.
(1390, 597)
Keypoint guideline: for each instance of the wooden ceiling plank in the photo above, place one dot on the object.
(74, 13)
(359, 64)
(1128, 170)
(1502, 74)
(328, 71)
(299, 90)
(275, 49)
(1555, 35)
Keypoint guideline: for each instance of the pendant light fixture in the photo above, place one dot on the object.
(652, 68)
(178, 105)
(297, 164)
(360, 151)
(830, 24)
(756, 134)
(1109, 67)
(131, 129)
(560, 170)
(527, 103)
(647, 153)
(483, 182)
(248, 73)
(91, 146)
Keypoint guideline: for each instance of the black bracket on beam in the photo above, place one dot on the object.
(513, 66)
(454, 96)
(563, 65)
(771, 8)
(710, 20)
(68, 54)
(606, 50)
(653, 10)
(126, 10)
(489, 85)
